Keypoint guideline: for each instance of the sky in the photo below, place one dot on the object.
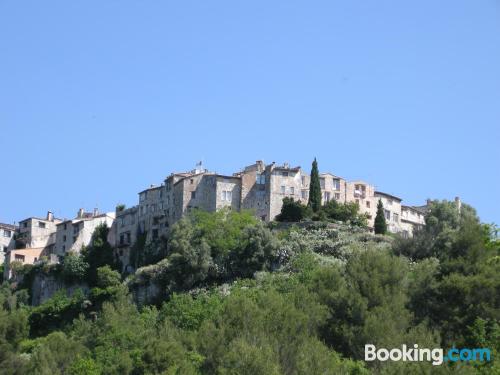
(100, 99)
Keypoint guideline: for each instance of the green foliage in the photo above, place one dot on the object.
(188, 312)
(74, 268)
(303, 301)
(107, 278)
(213, 247)
(292, 211)
(346, 212)
(99, 253)
(380, 225)
(55, 313)
(314, 188)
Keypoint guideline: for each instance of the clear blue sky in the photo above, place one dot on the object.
(99, 99)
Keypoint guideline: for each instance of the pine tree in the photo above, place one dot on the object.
(314, 188)
(380, 223)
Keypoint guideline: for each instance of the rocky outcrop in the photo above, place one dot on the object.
(45, 286)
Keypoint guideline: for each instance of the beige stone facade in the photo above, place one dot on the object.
(36, 232)
(412, 219)
(23, 256)
(392, 210)
(7, 241)
(73, 235)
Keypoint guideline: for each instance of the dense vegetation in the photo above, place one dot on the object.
(239, 297)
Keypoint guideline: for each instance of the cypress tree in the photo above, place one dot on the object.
(380, 225)
(314, 188)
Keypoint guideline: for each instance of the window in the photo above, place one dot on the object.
(387, 214)
(405, 234)
(395, 217)
(337, 196)
(64, 238)
(260, 179)
(36, 259)
(326, 196)
(74, 239)
(303, 179)
(322, 182)
(7, 233)
(368, 204)
(191, 181)
(336, 184)
(292, 190)
(389, 202)
(284, 174)
(193, 194)
(128, 237)
(155, 234)
(304, 194)
(227, 195)
(64, 248)
(25, 224)
(41, 224)
(283, 189)
(122, 239)
(65, 226)
(19, 257)
(5, 249)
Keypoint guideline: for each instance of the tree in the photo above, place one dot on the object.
(314, 188)
(380, 223)
(99, 253)
(292, 211)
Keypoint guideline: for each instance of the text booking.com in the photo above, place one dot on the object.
(436, 356)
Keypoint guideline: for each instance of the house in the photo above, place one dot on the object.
(73, 235)
(412, 219)
(23, 257)
(392, 210)
(36, 232)
(7, 241)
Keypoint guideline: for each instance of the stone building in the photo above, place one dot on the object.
(392, 210)
(36, 232)
(72, 235)
(23, 256)
(264, 187)
(412, 219)
(7, 241)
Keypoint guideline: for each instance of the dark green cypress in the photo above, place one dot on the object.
(380, 225)
(314, 188)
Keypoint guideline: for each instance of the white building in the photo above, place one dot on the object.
(7, 241)
(72, 235)
(36, 232)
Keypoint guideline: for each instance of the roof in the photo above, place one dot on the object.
(411, 208)
(387, 195)
(29, 250)
(42, 219)
(8, 226)
(331, 174)
(151, 188)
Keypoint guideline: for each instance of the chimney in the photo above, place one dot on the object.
(79, 215)
(50, 216)
(458, 203)
(96, 212)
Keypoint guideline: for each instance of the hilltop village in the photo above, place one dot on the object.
(257, 187)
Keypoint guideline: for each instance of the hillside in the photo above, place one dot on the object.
(226, 294)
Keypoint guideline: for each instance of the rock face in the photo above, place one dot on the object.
(145, 293)
(45, 286)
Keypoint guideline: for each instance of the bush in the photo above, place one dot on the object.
(292, 211)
